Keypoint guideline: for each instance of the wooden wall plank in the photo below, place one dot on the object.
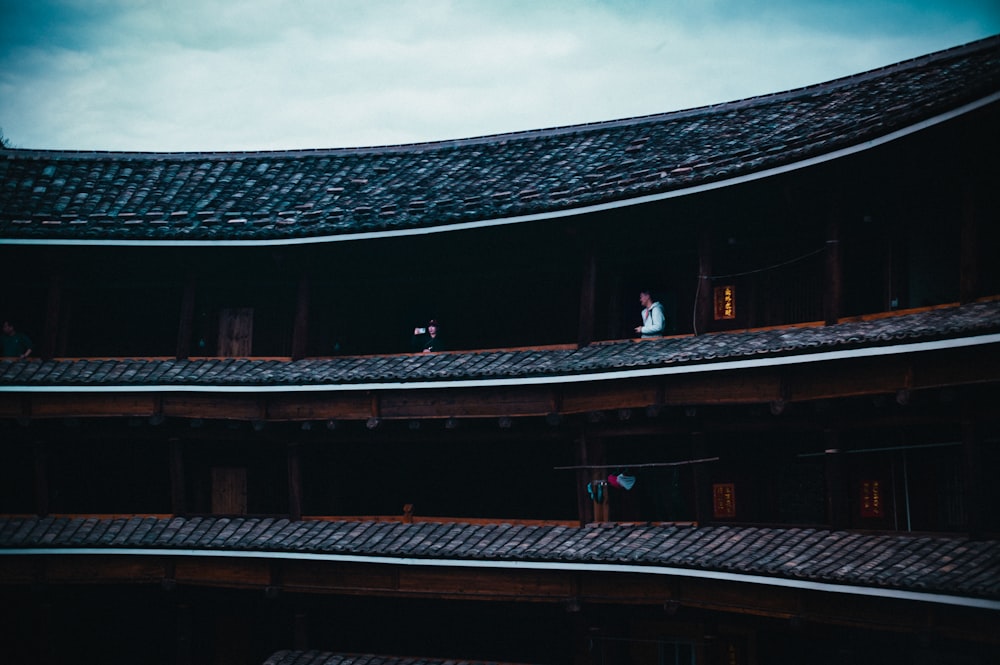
(209, 405)
(319, 406)
(467, 403)
(210, 571)
(85, 405)
(103, 569)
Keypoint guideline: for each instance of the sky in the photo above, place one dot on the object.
(247, 75)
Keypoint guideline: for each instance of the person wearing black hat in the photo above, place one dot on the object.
(427, 339)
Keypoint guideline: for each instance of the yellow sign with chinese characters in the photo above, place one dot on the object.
(725, 302)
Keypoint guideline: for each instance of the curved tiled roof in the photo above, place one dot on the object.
(339, 193)
(953, 566)
(975, 319)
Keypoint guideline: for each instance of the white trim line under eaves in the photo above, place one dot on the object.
(898, 594)
(571, 212)
(750, 363)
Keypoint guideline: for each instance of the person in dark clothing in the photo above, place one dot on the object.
(15, 344)
(427, 339)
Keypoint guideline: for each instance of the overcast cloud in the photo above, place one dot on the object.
(202, 75)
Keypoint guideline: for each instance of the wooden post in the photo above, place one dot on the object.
(588, 296)
(969, 249)
(703, 304)
(614, 306)
(836, 491)
(702, 484)
(589, 451)
(41, 479)
(184, 636)
(300, 333)
(53, 302)
(584, 509)
(186, 322)
(294, 482)
(300, 630)
(41, 613)
(974, 475)
(833, 291)
(177, 502)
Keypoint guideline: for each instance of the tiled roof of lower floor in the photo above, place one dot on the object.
(952, 566)
(544, 363)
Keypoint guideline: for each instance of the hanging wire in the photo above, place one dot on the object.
(697, 292)
(644, 465)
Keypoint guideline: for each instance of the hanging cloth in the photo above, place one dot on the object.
(621, 480)
(595, 489)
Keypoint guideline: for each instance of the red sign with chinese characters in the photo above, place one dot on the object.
(871, 498)
(725, 302)
(724, 500)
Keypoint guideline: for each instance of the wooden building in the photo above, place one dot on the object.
(223, 450)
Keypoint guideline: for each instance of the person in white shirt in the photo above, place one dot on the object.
(652, 316)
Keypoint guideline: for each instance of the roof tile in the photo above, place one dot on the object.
(315, 193)
(940, 564)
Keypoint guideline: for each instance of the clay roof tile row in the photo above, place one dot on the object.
(103, 196)
(974, 319)
(939, 564)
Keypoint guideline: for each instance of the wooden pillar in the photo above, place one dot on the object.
(589, 452)
(53, 301)
(969, 271)
(833, 291)
(836, 489)
(974, 474)
(614, 306)
(294, 482)
(702, 484)
(583, 653)
(184, 632)
(300, 630)
(588, 297)
(41, 479)
(300, 333)
(45, 647)
(177, 503)
(703, 304)
(186, 323)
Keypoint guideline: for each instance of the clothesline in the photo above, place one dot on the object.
(636, 466)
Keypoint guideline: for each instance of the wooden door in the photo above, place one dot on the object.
(235, 332)
(229, 490)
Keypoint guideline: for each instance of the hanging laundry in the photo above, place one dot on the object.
(596, 490)
(621, 480)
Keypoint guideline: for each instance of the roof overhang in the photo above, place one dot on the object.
(554, 214)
